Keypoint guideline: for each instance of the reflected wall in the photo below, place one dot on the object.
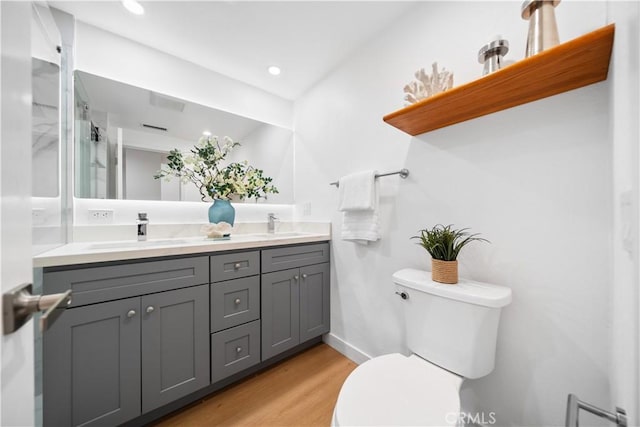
(124, 133)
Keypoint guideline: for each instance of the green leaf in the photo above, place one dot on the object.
(444, 243)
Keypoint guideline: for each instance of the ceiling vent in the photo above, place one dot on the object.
(166, 102)
(145, 125)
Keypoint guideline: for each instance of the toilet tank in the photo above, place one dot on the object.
(452, 326)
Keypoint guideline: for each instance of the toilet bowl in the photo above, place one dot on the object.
(396, 390)
(451, 330)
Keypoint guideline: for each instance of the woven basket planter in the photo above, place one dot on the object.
(444, 271)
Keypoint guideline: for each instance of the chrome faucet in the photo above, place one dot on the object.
(142, 223)
(271, 222)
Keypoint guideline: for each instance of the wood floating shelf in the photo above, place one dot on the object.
(567, 66)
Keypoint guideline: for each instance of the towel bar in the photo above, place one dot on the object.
(402, 172)
(574, 405)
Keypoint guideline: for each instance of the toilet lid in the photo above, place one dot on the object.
(395, 390)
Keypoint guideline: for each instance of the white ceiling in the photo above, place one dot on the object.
(240, 39)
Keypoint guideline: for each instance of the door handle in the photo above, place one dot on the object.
(19, 304)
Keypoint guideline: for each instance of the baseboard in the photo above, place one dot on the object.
(350, 351)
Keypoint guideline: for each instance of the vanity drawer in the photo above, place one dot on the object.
(294, 256)
(234, 302)
(99, 284)
(234, 350)
(235, 265)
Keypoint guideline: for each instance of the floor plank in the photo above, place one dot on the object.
(300, 391)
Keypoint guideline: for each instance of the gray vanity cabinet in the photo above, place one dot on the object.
(295, 301)
(235, 313)
(140, 335)
(110, 362)
(108, 358)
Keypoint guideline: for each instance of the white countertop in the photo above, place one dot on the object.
(89, 252)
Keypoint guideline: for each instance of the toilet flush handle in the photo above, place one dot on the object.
(403, 295)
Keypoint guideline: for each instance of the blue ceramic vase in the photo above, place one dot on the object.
(222, 210)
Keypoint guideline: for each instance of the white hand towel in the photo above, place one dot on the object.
(357, 191)
(359, 203)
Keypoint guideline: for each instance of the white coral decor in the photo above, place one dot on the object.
(216, 230)
(427, 85)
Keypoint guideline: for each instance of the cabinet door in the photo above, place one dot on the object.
(175, 345)
(314, 301)
(280, 302)
(91, 365)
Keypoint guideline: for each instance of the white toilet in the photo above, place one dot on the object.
(451, 331)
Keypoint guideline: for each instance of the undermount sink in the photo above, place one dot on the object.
(283, 234)
(137, 244)
(174, 242)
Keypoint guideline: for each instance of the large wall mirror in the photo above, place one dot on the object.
(123, 134)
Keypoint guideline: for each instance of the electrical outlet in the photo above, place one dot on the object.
(37, 216)
(100, 216)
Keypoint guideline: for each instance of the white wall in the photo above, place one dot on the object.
(624, 285)
(139, 168)
(535, 180)
(109, 55)
(271, 149)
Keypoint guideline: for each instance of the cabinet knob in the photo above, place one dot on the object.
(237, 266)
(238, 350)
(237, 301)
(296, 277)
(150, 309)
(304, 275)
(131, 313)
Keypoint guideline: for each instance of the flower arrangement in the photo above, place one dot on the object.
(205, 167)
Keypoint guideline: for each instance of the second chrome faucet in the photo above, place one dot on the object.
(142, 223)
(271, 222)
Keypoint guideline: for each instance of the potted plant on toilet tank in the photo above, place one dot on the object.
(206, 166)
(444, 244)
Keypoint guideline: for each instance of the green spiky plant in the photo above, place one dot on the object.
(444, 243)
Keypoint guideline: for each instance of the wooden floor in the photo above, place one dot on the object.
(300, 391)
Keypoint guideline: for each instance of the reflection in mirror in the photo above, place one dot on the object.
(45, 128)
(123, 135)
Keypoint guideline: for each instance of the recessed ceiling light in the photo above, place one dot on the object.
(273, 70)
(206, 133)
(133, 6)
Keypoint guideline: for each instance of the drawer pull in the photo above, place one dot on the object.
(150, 309)
(296, 277)
(238, 350)
(304, 275)
(237, 266)
(237, 301)
(131, 313)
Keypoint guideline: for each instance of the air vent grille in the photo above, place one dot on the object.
(145, 125)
